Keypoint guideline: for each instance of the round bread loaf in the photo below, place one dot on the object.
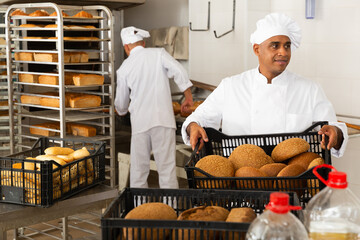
(203, 213)
(289, 148)
(303, 159)
(272, 169)
(316, 162)
(241, 215)
(251, 172)
(216, 166)
(176, 107)
(18, 12)
(153, 210)
(292, 185)
(249, 155)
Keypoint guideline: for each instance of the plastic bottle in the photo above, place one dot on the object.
(277, 223)
(333, 213)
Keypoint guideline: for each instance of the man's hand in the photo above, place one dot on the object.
(188, 102)
(335, 137)
(195, 132)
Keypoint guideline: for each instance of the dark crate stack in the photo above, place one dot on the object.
(42, 183)
(305, 185)
(114, 226)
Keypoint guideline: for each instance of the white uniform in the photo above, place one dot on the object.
(143, 89)
(245, 104)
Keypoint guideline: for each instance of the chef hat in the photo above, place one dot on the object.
(133, 34)
(275, 24)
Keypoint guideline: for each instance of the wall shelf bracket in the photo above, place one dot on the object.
(233, 23)
(208, 22)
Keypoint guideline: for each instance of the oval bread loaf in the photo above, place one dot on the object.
(289, 148)
(272, 169)
(58, 151)
(303, 159)
(80, 153)
(316, 162)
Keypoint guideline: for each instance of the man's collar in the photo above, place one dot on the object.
(135, 49)
(276, 80)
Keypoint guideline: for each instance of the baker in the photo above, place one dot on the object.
(267, 99)
(143, 89)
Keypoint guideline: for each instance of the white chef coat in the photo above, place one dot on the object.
(245, 104)
(143, 89)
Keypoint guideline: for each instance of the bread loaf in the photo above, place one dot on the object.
(153, 210)
(43, 132)
(83, 14)
(203, 213)
(28, 78)
(216, 166)
(294, 185)
(51, 157)
(314, 184)
(251, 172)
(80, 153)
(24, 56)
(289, 148)
(39, 13)
(58, 151)
(84, 101)
(54, 14)
(240, 215)
(51, 26)
(29, 25)
(272, 169)
(176, 107)
(304, 159)
(29, 37)
(82, 130)
(35, 100)
(45, 57)
(84, 57)
(249, 155)
(18, 12)
(54, 80)
(88, 79)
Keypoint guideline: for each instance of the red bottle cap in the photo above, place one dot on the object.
(335, 180)
(279, 203)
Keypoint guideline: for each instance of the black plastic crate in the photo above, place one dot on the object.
(305, 185)
(113, 224)
(43, 183)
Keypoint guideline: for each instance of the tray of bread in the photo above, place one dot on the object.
(273, 162)
(184, 214)
(52, 170)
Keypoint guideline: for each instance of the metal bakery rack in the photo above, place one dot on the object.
(66, 36)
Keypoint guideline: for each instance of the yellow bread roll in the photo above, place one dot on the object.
(58, 151)
(81, 153)
(272, 169)
(153, 210)
(249, 155)
(303, 159)
(51, 157)
(66, 158)
(289, 148)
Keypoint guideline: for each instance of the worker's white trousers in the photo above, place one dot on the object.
(161, 141)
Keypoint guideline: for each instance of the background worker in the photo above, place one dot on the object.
(143, 89)
(267, 99)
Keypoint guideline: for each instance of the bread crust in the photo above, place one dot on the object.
(249, 155)
(304, 159)
(39, 13)
(83, 14)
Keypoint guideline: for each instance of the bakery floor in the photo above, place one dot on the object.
(86, 226)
